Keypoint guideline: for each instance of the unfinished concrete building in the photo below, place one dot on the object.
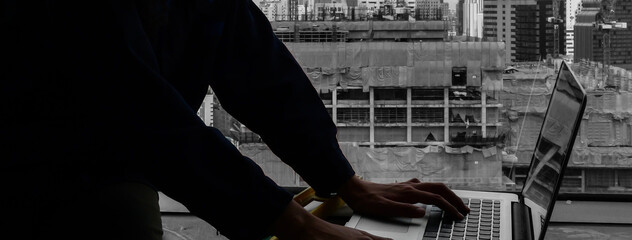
(602, 156)
(403, 110)
(408, 94)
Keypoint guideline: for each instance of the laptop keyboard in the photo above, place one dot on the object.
(483, 222)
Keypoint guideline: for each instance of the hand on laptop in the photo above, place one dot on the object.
(398, 199)
(386, 200)
(297, 224)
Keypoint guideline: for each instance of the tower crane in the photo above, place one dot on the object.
(556, 20)
(606, 23)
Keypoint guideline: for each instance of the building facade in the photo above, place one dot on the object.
(429, 10)
(534, 34)
(376, 4)
(499, 17)
(600, 159)
(407, 105)
(275, 10)
(572, 8)
(213, 115)
(523, 26)
(473, 18)
(459, 17)
(446, 11)
(589, 41)
(361, 31)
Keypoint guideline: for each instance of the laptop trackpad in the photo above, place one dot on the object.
(399, 225)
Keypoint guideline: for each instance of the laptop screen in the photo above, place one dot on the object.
(553, 147)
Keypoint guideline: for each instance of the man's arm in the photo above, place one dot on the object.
(115, 117)
(258, 81)
(261, 84)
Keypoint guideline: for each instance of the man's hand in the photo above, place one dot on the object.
(398, 199)
(297, 224)
(386, 200)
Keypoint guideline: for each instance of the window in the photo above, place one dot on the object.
(459, 76)
(353, 115)
(390, 94)
(427, 94)
(625, 178)
(390, 115)
(352, 94)
(404, 89)
(427, 115)
(572, 181)
(353, 134)
(599, 179)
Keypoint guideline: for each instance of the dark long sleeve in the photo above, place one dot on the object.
(231, 45)
(258, 81)
(94, 96)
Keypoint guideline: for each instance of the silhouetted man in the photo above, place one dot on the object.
(98, 111)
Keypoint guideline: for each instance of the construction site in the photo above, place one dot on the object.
(403, 110)
(455, 113)
(410, 103)
(602, 154)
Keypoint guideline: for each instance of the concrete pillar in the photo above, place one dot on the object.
(446, 115)
(409, 114)
(334, 105)
(583, 180)
(372, 117)
(484, 113)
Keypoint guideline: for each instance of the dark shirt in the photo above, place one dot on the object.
(92, 92)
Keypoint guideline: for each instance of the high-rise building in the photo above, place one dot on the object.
(572, 8)
(523, 26)
(473, 18)
(376, 4)
(214, 115)
(445, 10)
(429, 10)
(498, 16)
(275, 10)
(535, 36)
(459, 17)
(589, 41)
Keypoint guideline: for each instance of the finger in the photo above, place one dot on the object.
(414, 180)
(437, 200)
(391, 208)
(373, 237)
(442, 190)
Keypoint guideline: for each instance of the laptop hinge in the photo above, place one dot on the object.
(521, 221)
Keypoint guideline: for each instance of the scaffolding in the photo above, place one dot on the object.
(312, 36)
(427, 115)
(389, 117)
(427, 94)
(353, 115)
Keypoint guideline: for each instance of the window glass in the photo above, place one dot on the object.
(393, 77)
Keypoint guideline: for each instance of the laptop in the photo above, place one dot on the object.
(496, 215)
